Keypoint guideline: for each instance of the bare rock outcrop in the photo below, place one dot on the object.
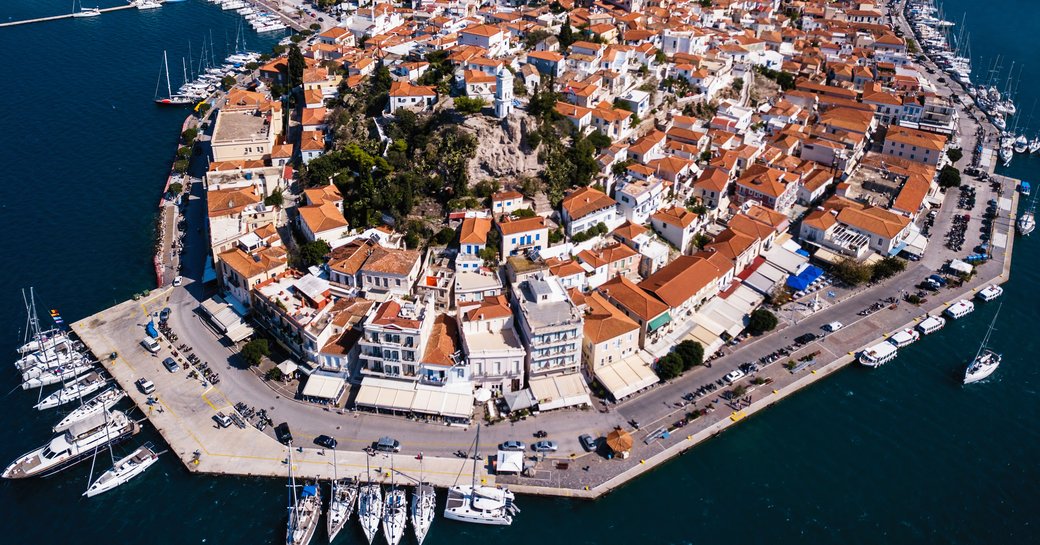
(500, 154)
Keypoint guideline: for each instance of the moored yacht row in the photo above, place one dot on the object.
(261, 20)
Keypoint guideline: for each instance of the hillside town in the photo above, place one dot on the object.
(456, 210)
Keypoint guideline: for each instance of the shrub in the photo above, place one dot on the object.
(469, 105)
(887, 267)
(761, 321)
(255, 350)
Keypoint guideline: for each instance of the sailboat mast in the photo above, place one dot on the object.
(166, 65)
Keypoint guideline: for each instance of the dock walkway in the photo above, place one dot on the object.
(64, 16)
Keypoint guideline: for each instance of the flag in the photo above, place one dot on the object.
(56, 317)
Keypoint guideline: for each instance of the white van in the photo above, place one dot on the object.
(150, 345)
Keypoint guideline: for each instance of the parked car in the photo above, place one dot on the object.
(222, 420)
(164, 314)
(281, 431)
(146, 386)
(734, 376)
(805, 339)
(150, 345)
(545, 446)
(588, 442)
(388, 444)
(325, 441)
(512, 445)
(170, 364)
(177, 281)
(833, 326)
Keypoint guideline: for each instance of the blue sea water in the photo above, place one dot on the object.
(902, 454)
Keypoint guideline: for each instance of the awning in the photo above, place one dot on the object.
(658, 322)
(626, 377)
(509, 461)
(323, 387)
(287, 367)
(455, 401)
(802, 280)
(520, 399)
(558, 391)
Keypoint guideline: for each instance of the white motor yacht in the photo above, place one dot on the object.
(77, 443)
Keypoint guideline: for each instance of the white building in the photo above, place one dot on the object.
(492, 346)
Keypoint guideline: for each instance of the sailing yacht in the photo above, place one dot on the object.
(123, 470)
(97, 405)
(395, 512)
(304, 511)
(480, 504)
(77, 389)
(77, 443)
(171, 99)
(147, 4)
(424, 505)
(370, 509)
(986, 361)
(84, 12)
(1026, 222)
(341, 502)
(38, 377)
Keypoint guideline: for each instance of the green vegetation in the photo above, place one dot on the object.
(313, 253)
(599, 229)
(189, 136)
(669, 366)
(275, 198)
(296, 65)
(534, 37)
(949, 177)
(911, 46)
(555, 236)
(785, 80)
(184, 152)
(274, 373)
(444, 236)
(887, 267)
(738, 84)
(469, 105)
(914, 299)
(569, 157)
(955, 154)
(255, 350)
(851, 272)
(566, 36)
(180, 166)
(227, 82)
(691, 353)
(761, 321)
(176, 188)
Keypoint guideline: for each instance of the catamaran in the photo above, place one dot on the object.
(986, 361)
(341, 501)
(95, 406)
(77, 389)
(123, 470)
(480, 504)
(395, 511)
(424, 505)
(370, 506)
(304, 511)
(77, 443)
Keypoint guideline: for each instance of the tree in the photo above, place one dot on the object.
(180, 166)
(887, 267)
(738, 84)
(669, 366)
(955, 154)
(274, 373)
(275, 198)
(315, 27)
(444, 236)
(600, 140)
(851, 273)
(313, 253)
(469, 105)
(176, 188)
(566, 36)
(691, 352)
(761, 321)
(201, 109)
(296, 66)
(189, 135)
(227, 82)
(555, 236)
(255, 350)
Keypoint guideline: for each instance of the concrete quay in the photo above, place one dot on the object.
(65, 16)
(184, 409)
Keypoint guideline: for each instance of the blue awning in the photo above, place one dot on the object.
(309, 490)
(802, 280)
(150, 329)
(802, 252)
(897, 248)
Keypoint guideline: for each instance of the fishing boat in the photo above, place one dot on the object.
(77, 389)
(424, 506)
(170, 99)
(95, 406)
(304, 511)
(480, 504)
(341, 501)
(38, 377)
(395, 512)
(77, 443)
(124, 469)
(986, 361)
